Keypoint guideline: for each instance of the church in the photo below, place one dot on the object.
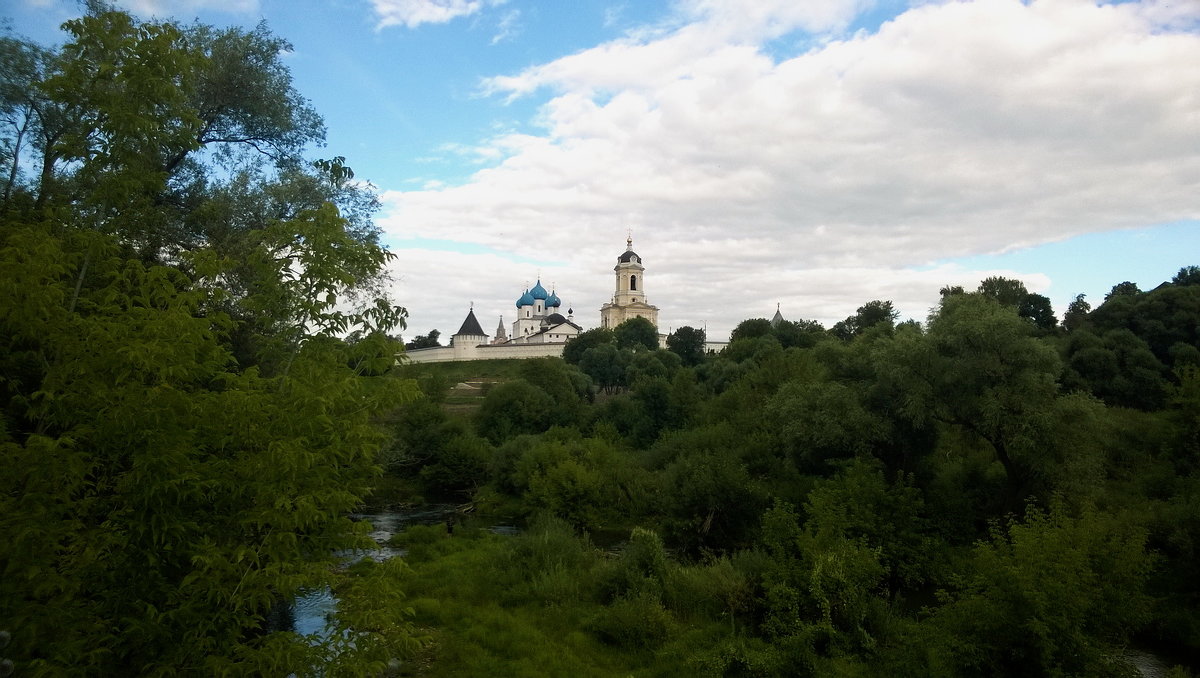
(540, 329)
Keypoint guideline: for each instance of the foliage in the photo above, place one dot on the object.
(871, 314)
(574, 350)
(636, 334)
(979, 368)
(605, 365)
(687, 343)
(424, 341)
(1048, 594)
(186, 431)
(512, 408)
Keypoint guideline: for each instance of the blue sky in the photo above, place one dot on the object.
(817, 155)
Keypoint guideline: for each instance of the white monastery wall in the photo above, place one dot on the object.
(485, 352)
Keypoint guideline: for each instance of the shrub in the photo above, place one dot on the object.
(638, 622)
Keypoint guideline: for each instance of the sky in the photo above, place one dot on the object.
(813, 155)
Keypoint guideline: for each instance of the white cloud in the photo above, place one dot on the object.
(824, 180)
(165, 8)
(413, 13)
(508, 27)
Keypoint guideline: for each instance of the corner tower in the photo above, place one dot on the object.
(629, 299)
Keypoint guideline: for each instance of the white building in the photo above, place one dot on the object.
(539, 321)
(540, 330)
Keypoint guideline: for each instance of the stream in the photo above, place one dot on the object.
(310, 611)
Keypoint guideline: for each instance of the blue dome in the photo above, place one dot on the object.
(525, 300)
(538, 291)
(553, 301)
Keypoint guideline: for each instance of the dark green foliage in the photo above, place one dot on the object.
(799, 333)
(636, 334)
(751, 329)
(821, 421)
(1188, 275)
(606, 365)
(424, 340)
(639, 622)
(1076, 314)
(1123, 289)
(802, 499)
(860, 504)
(688, 344)
(710, 499)
(587, 482)
(1044, 595)
(444, 453)
(1037, 309)
(184, 428)
(513, 408)
(1118, 368)
(568, 387)
(979, 368)
(574, 350)
(871, 314)
(1004, 291)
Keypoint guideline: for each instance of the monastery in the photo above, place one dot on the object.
(540, 329)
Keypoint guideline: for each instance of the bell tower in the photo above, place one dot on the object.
(629, 297)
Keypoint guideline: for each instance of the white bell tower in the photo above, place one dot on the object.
(629, 298)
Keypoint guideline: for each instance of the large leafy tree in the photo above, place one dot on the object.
(183, 428)
(871, 314)
(980, 369)
(688, 344)
(636, 334)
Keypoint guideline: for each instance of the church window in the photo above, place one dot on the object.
(633, 282)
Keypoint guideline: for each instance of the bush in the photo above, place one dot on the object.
(639, 622)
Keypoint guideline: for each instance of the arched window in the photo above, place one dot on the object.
(633, 282)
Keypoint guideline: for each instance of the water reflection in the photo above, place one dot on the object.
(311, 611)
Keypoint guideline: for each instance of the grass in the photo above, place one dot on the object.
(458, 372)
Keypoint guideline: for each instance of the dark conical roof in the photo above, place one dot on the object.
(470, 326)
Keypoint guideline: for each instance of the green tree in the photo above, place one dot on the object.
(871, 314)
(513, 408)
(859, 503)
(171, 486)
(605, 365)
(636, 334)
(979, 368)
(1188, 275)
(751, 329)
(688, 344)
(1037, 309)
(424, 340)
(1123, 289)
(799, 333)
(1004, 291)
(1050, 595)
(574, 350)
(1076, 314)
(819, 421)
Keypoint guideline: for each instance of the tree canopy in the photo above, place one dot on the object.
(186, 429)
